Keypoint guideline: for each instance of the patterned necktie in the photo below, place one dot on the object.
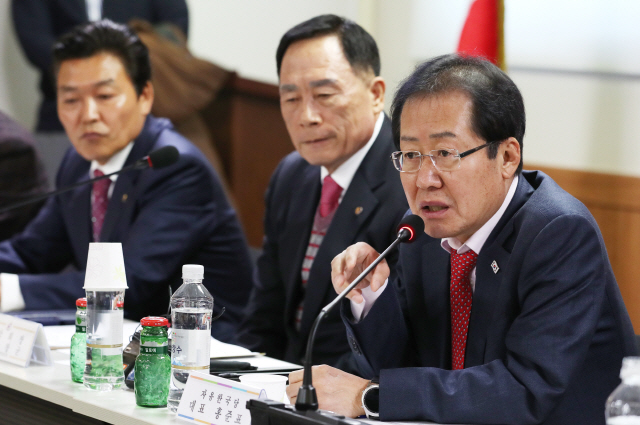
(461, 298)
(329, 201)
(99, 202)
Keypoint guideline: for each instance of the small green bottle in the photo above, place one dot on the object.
(79, 342)
(153, 365)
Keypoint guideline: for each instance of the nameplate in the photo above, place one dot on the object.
(208, 399)
(22, 342)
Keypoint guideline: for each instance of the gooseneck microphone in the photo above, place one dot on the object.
(160, 158)
(408, 230)
(157, 159)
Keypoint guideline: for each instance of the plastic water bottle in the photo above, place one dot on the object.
(623, 405)
(78, 350)
(103, 369)
(191, 310)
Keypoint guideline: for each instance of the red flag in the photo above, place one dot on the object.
(483, 31)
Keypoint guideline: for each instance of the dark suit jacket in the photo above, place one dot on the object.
(39, 23)
(164, 218)
(547, 332)
(291, 202)
(22, 176)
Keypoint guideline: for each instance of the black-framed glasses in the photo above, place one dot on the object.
(442, 159)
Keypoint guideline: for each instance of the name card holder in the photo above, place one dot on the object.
(22, 342)
(208, 399)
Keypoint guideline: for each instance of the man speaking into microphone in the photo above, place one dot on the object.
(506, 311)
(164, 218)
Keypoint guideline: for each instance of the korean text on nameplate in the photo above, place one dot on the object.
(213, 400)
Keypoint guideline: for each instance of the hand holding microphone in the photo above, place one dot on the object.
(354, 260)
(363, 258)
(347, 265)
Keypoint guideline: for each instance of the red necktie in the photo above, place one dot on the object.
(99, 202)
(329, 201)
(461, 298)
(330, 196)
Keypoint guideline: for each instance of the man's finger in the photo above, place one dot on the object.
(296, 376)
(337, 264)
(379, 275)
(355, 295)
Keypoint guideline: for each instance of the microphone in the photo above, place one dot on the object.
(157, 159)
(408, 230)
(160, 158)
(267, 412)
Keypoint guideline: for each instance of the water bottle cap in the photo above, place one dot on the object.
(630, 367)
(192, 271)
(81, 302)
(154, 321)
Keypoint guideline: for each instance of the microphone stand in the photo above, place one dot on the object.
(269, 412)
(141, 164)
(307, 398)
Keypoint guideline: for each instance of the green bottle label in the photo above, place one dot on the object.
(81, 323)
(154, 348)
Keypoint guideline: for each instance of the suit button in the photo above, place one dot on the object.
(354, 345)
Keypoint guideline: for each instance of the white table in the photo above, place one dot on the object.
(75, 404)
(53, 384)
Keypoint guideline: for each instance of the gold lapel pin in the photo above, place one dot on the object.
(125, 197)
(358, 210)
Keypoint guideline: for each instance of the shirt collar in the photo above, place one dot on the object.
(345, 172)
(115, 163)
(477, 240)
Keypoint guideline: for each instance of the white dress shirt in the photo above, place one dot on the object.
(475, 243)
(11, 298)
(345, 172)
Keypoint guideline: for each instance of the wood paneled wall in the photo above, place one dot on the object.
(251, 139)
(614, 201)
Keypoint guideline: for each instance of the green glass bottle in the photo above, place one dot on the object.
(153, 365)
(79, 342)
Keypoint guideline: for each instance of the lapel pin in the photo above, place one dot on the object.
(358, 210)
(125, 197)
(495, 267)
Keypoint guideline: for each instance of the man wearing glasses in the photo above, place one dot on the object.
(506, 311)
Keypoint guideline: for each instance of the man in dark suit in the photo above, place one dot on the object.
(506, 311)
(338, 188)
(164, 218)
(21, 176)
(39, 23)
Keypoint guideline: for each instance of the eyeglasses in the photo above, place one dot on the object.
(442, 159)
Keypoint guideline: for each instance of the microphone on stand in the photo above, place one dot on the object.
(408, 229)
(160, 158)
(267, 412)
(157, 159)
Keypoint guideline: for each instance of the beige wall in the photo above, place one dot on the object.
(19, 95)
(577, 120)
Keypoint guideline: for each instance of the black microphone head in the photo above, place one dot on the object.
(410, 228)
(163, 157)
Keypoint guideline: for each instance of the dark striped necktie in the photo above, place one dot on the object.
(329, 201)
